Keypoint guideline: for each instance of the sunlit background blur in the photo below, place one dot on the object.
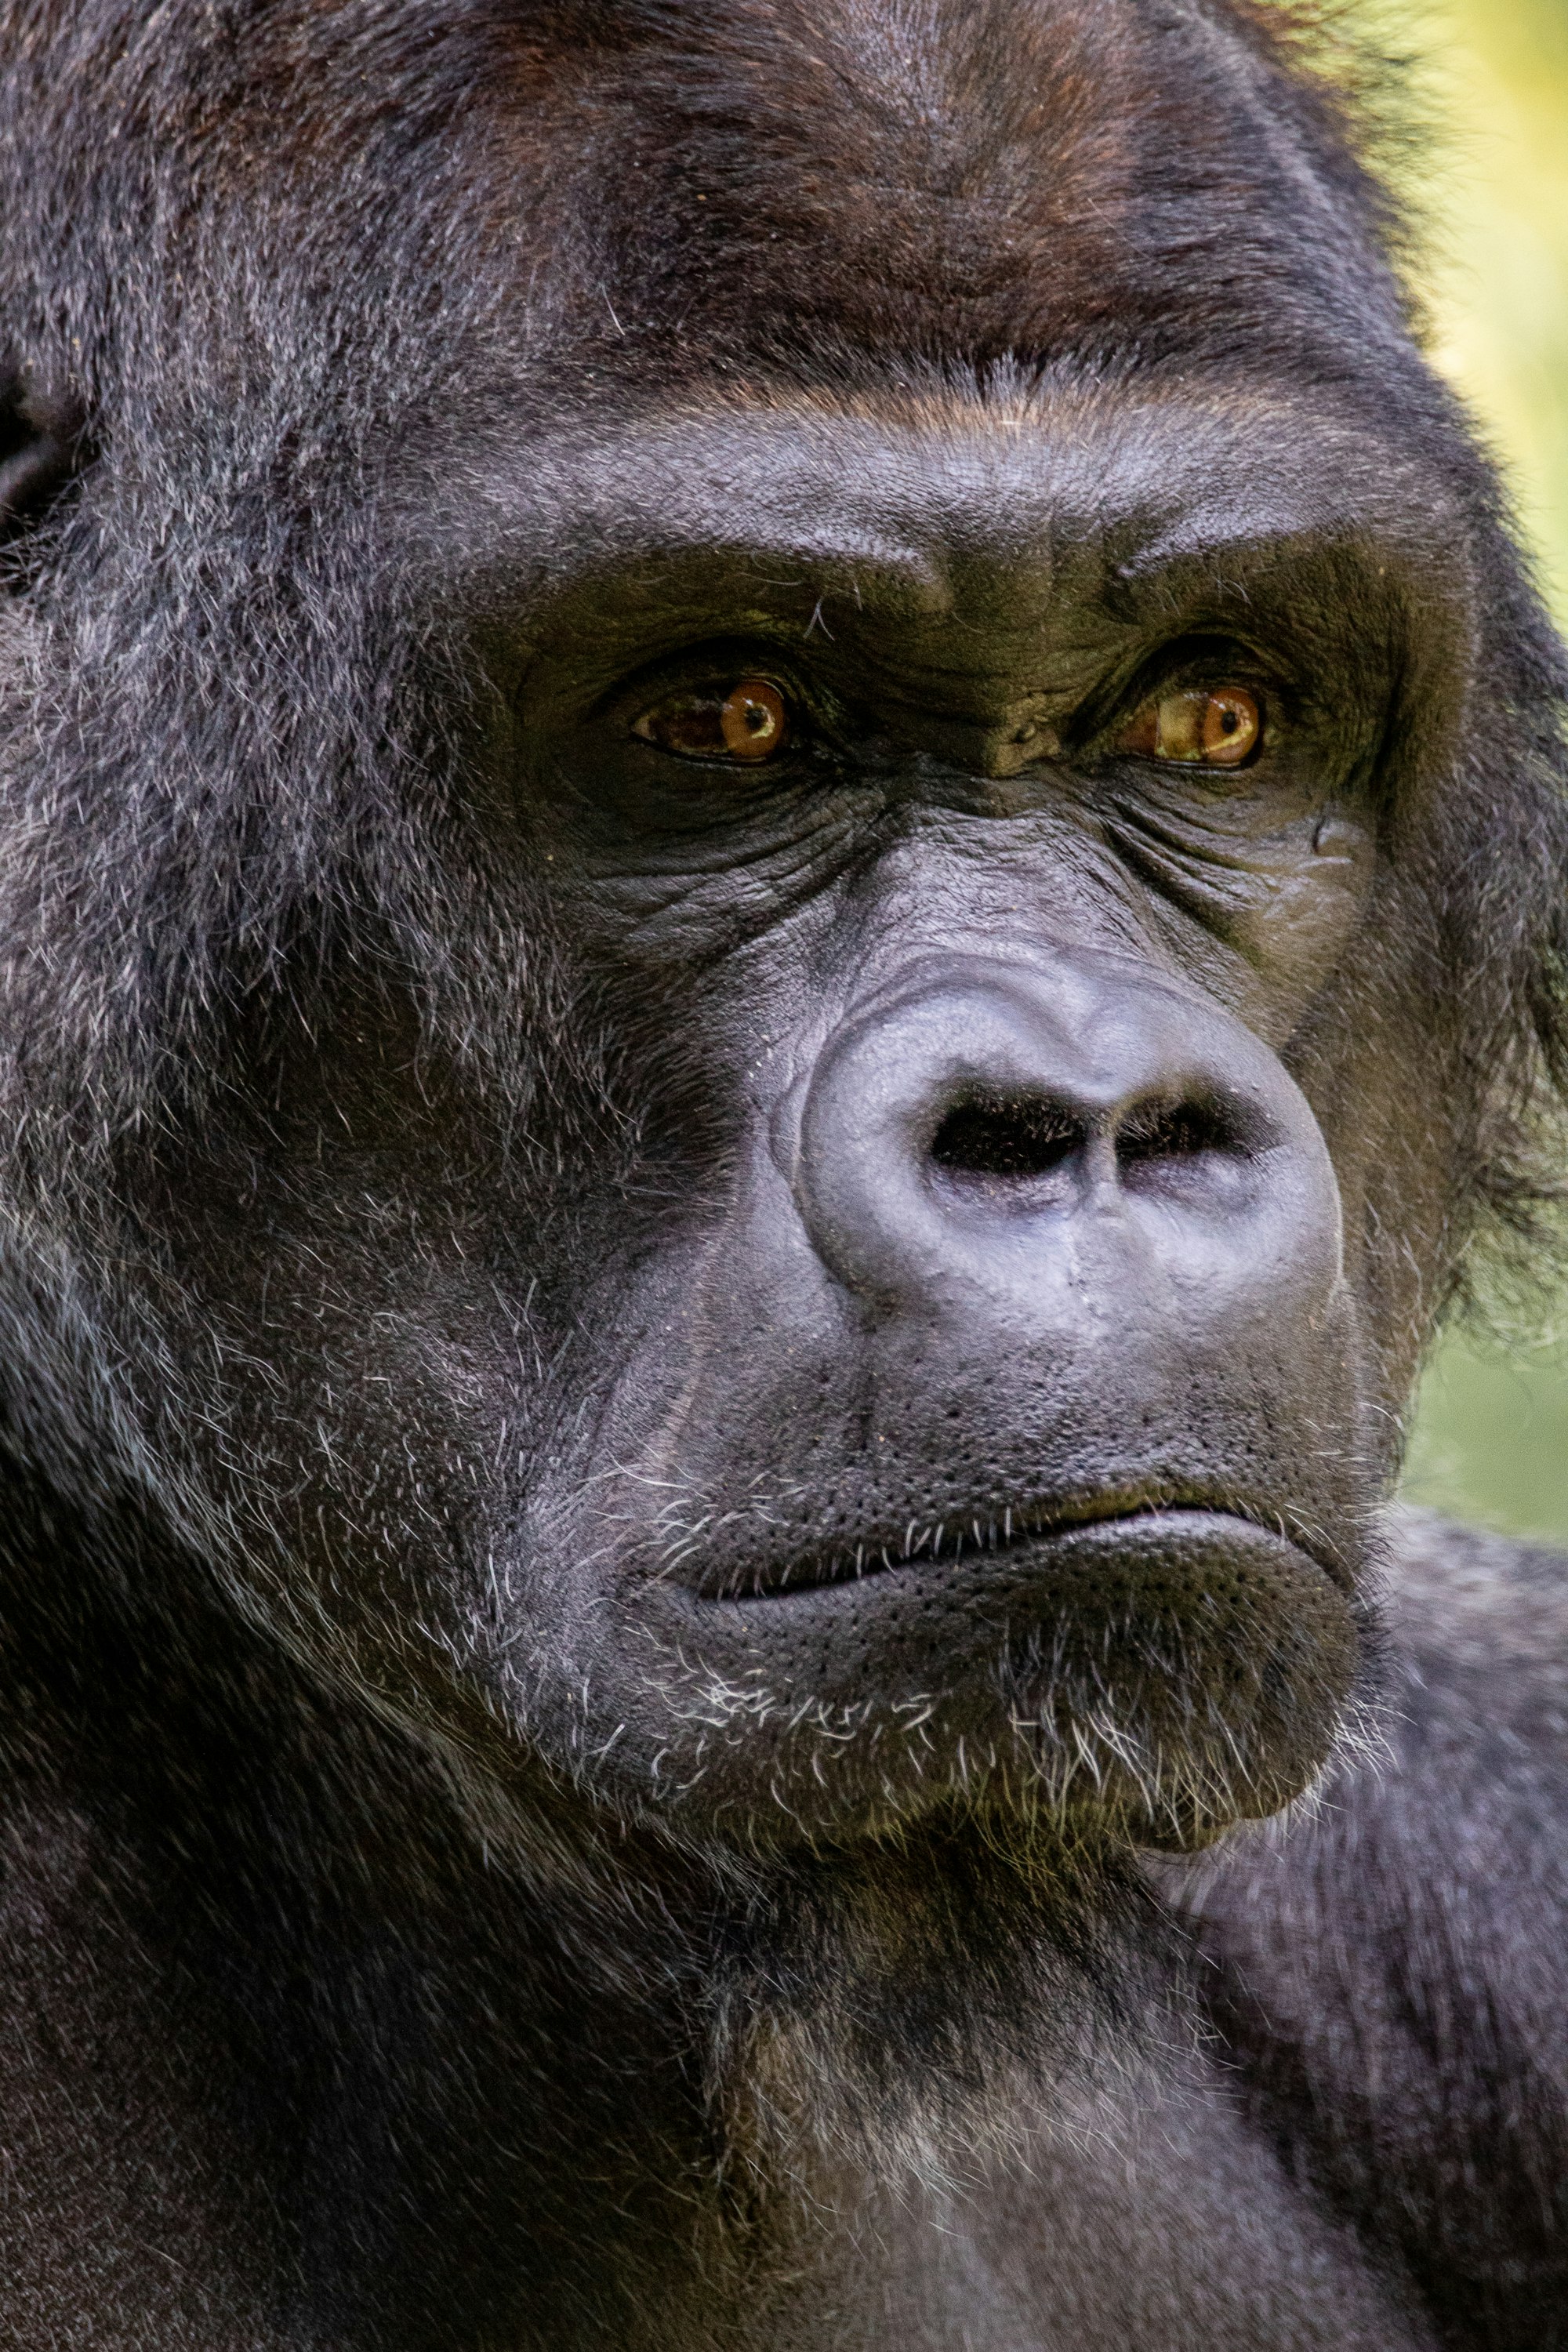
(1491, 1440)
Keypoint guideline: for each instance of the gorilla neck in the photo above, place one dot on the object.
(455, 2103)
(895, 2005)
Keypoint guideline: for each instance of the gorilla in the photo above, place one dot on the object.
(783, 889)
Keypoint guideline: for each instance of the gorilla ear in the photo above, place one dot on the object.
(43, 444)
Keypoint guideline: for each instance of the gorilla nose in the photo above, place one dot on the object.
(1075, 1139)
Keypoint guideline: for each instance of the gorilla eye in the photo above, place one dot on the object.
(1211, 726)
(748, 720)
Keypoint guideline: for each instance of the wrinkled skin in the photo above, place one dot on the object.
(688, 1434)
(832, 1351)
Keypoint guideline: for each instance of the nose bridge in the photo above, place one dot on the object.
(1072, 1136)
(1104, 1046)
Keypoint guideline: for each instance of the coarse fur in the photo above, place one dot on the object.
(588, 1760)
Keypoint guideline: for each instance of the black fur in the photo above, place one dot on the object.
(405, 1940)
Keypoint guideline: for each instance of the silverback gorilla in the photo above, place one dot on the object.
(783, 877)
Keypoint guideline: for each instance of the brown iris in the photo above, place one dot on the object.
(748, 720)
(1209, 726)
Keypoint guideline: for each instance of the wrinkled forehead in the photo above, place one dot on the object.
(778, 269)
(978, 500)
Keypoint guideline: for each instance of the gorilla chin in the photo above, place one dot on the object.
(947, 1916)
(1132, 1677)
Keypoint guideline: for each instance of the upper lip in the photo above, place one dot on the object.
(989, 1529)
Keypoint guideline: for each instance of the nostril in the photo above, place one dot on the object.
(1159, 1131)
(1015, 1136)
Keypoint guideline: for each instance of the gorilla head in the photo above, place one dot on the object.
(779, 877)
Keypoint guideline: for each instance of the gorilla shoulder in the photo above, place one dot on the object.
(1390, 1970)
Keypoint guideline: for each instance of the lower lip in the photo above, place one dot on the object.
(1023, 1558)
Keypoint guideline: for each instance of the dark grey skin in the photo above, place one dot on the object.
(701, 1646)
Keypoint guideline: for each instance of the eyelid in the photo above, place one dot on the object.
(820, 718)
(1189, 664)
(690, 670)
(1195, 657)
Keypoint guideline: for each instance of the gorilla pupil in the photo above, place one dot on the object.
(752, 720)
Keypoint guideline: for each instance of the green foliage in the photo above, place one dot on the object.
(1490, 1438)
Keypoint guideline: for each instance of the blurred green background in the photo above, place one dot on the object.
(1490, 1438)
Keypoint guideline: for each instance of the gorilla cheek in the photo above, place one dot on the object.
(1284, 899)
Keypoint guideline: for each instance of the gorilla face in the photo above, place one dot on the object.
(786, 946)
(880, 1331)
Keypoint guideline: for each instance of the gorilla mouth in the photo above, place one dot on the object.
(977, 1536)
